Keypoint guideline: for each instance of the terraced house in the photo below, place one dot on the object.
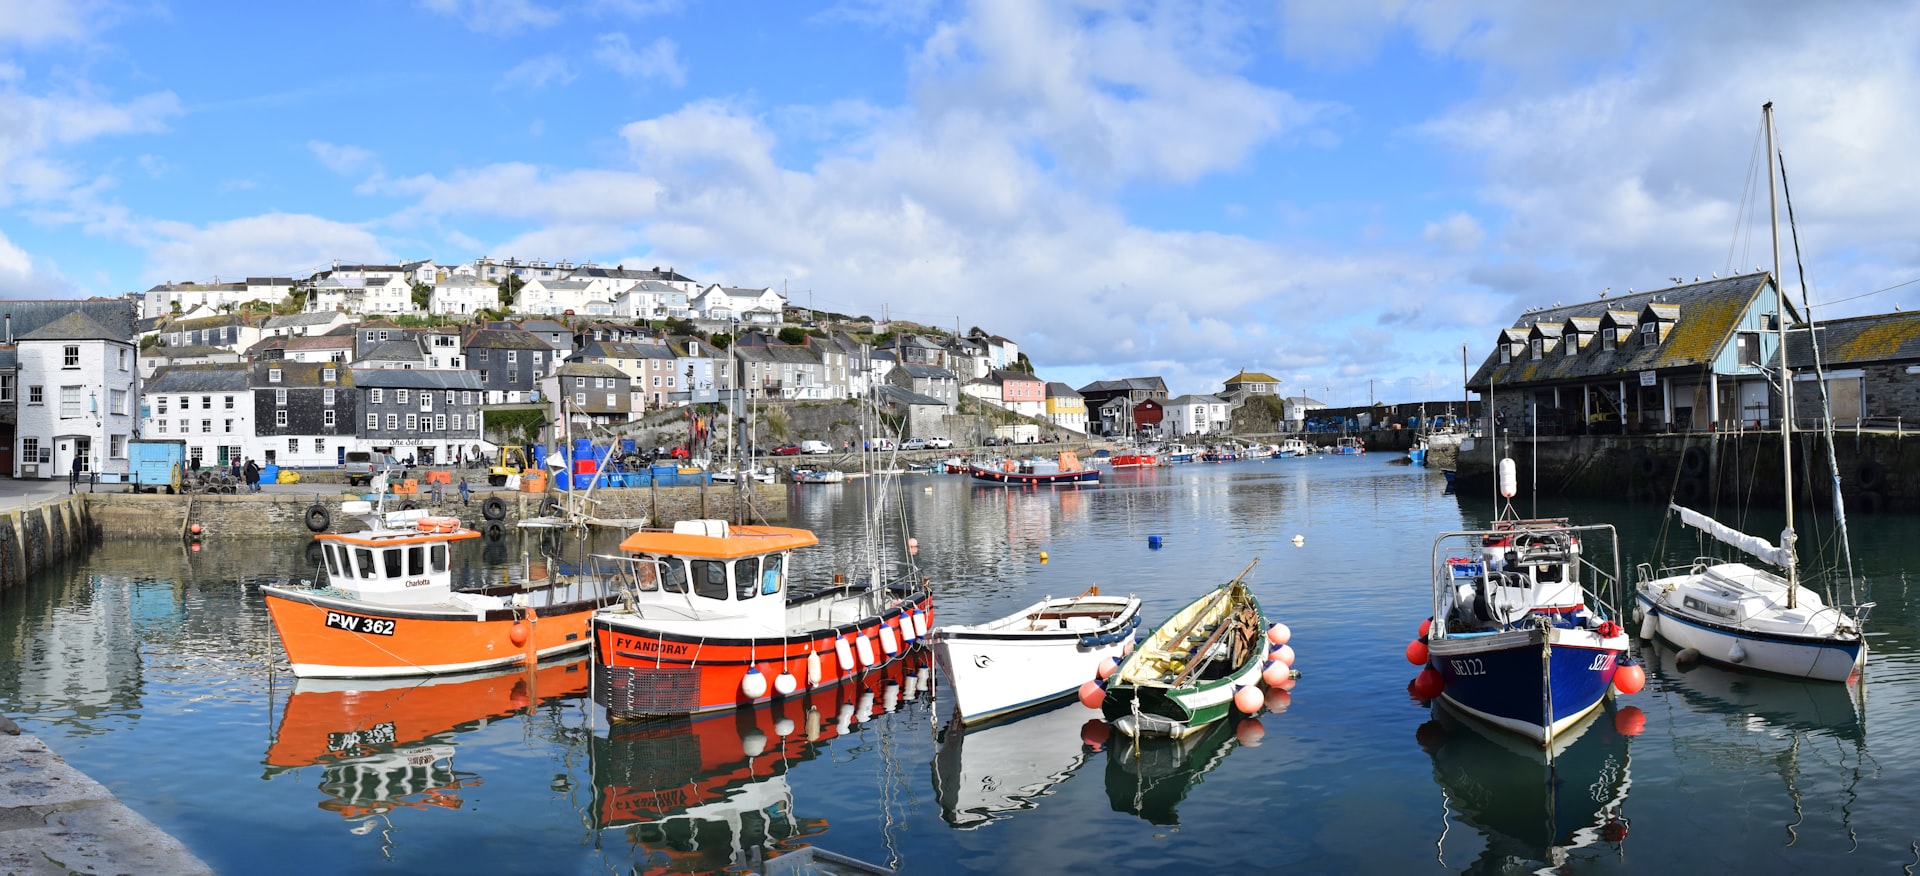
(428, 416)
(303, 412)
(509, 363)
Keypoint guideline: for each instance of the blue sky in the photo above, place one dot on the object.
(1340, 194)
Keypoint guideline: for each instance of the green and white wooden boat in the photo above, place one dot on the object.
(1184, 675)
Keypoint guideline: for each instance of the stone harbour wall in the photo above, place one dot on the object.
(31, 539)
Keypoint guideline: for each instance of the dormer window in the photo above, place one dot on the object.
(1649, 334)
(1570, 344)
(1607, 339)
(1538, 346)
(273, 375)
(1506, 354)
(328, 375)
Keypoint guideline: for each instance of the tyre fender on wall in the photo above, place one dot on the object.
(1871, 475)
(494, 508)
(317, 518)
(1649, 465)
(1693, 462)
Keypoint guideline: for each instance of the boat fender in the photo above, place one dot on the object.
(1736, 654)
(1649, 624)
(495, 531)
(754, 743)
(785, 684)
(317, 518)
(1687, 657)
(1693, 462)
(1871, 475)
(888, 643)
(920, 622)
(754, 685)
(863, 646)
(494, 508)
(907, 634)
(1689, 490)
(813, 669)
(1649, 465)
(844, 652)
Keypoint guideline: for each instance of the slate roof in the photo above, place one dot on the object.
(590, 369)
(1149, 385)
(396, 351)
(1193, 399)
(1704, 317)
(1251, 377)
(74, 326)
(933, 372)
(299, 375)
(401, 378)
(515, 339)
(889, 394)
(299, 319)
(624, 273)
(195, 378)
(116, 315)
(185, 352)
(1861, 340)
(1057, 389)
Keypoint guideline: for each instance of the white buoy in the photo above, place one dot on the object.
(1299, 540)
(754, 743)
(1736, 654)
(888, 643)
(1649, 624)
(813, 669)
(785, 684)
(1509, 479)
(754, 685)
(844, 652)
(783, 726)
(863, 646)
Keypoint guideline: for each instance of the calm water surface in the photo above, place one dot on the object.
(153, 669)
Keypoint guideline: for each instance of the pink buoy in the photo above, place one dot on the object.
(1278, 701)
(1284, 654)
(1106, 668)
(1425, 627)
(1428, 684)
(1629, 679)
(1417, 652)
(1276, 674)
(1092, 694)
(1278, 634)
(1248, 700)
(1250, 732)
(1127, 648)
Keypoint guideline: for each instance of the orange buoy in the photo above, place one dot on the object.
(1630, 721)
(517, 634)
(195, 529)
(913, 545)
(1092, 694)
(1284, 654)
(1629, 678)
(1428, 684)
(1425, 627)
(1276, 673)
(1248, 699)
(1106, 668)
(1278, 634)
(195, 545)
(1417, 652)
(1249, 732)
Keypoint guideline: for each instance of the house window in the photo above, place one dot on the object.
(6, 388)
(229, 402)
(206, 402)
(466, 396)
(116, 446)
(328, 374)
(579, 399)
(610, 400)
(326, 396)
(393, 422)
(439, 422)
(280, 418)
(1650, 334)
(229, 427)
(513, 357)
(513, 377)
(71, 359)
(293, 446)
(326, 419)
(452, 397)
(1537, 346)
(1607, 339)
(206, 427)
(375, 396)
(483, 377)
(1506, 356)
(70, 401)
(373, 422)
(1569, 344)
(117, 401)
(1747, 349)
(579, 382)
(280, 397)
(400, 396)
(160, 426)
(123, 360)
(35, 395)
(413, 422)
(30, 449)
(426, 401)
(320, 444)
(273, 375)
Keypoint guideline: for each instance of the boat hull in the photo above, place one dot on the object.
(1500, 678)
(648, 671)
(992, 672)
(1038, 479)
(330, 637)
(1150, 694)
(1816, 658)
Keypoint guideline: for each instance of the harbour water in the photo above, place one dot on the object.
(151, 668)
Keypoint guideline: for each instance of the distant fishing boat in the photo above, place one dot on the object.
(1065, 471)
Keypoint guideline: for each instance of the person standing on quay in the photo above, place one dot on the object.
(466, 492)
(73, 482)
(252, 472)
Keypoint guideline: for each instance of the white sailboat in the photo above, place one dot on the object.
(1743, 615)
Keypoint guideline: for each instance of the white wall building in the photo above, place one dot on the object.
(462, 296)
(77, 384)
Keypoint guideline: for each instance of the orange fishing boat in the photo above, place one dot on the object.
(708, 621)
(387, 606)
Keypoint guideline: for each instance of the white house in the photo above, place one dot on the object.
(553, 297)
(1194, 415)
(78, 383)
(296, 325)
(462, 296)
(718, 302)
(208, 407)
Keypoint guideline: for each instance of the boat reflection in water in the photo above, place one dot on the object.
(1533, 807)
(710, 793)
(388, 744)
(992, 770)
(1149, 776)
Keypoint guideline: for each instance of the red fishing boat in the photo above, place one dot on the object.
(709, 620)
(386, 605)
(1134, 460)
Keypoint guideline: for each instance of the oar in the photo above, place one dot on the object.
(1222, 594)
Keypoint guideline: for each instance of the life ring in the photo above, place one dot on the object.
(1871, 475)
(317, 518)
(495, 531)
(1689, 491)
(1693, 462)
(437, 524)
(494, 508)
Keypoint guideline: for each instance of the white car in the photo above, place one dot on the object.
(939, 444)
(914, 444)
(815, 447)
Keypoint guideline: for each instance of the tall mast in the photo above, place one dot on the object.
(1786, 373)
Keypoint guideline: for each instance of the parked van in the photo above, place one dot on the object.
(815, 447)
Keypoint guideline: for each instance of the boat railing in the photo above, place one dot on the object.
(1446, 546)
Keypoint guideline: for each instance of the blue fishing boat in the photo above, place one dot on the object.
(1517, 638)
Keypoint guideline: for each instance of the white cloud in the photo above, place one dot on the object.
(37, 129)
(657, 60)
(22, 276)
(278, 244)
(1458, 232)
(33, 22)
(498, 17)
(343, 160)
(539, 72)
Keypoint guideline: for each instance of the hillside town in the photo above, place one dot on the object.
(442, 364)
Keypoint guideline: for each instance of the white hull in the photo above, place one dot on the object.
(1819, 659)
(983, 773)
(1037, 655)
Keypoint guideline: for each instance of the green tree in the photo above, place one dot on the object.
(793, 335)
(510, 286)
(422, 295)
(721, 340)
